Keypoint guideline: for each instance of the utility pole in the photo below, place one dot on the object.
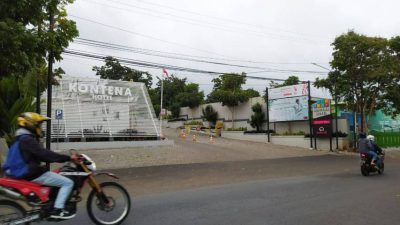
(310, 113)
(49, 79)
(161, 105)
(267, 102)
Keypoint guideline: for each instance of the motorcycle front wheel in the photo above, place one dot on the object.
(117, 208)
(10, 212)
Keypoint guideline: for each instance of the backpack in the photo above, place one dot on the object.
(15, 165)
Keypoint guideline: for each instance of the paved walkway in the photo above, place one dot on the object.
(185, 151)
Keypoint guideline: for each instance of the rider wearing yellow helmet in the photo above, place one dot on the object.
(27, 135)
(32, 122)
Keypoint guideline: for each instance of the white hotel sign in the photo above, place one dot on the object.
(99, 92)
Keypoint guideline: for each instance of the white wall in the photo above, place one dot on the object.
(243, 114)
(295, 141)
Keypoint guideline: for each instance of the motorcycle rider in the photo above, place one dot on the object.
(29, 132)
(365, 146)
(376, 148)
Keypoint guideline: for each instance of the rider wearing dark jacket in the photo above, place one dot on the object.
(364, 145)
(28, 134)
(33, 154)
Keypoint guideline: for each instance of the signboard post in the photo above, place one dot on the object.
(322, 120)
(58, 116)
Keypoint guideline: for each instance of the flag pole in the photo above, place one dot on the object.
(161, 105)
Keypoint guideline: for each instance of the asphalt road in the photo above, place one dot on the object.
(315, 190)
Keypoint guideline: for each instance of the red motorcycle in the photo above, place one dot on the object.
(108, 202)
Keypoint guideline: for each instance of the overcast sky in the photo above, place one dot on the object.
(283, 35)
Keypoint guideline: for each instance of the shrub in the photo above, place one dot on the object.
(259, 132)
(194, 122)
(257, 119)
(210, 115)
(175, 110)
(237, 129)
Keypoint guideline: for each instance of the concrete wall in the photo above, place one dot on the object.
(300, 141)
(175, 124)
(243, 114)
(296, 141)
(238, 135)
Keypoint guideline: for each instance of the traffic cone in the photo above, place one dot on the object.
(183, 134)
(212, 140)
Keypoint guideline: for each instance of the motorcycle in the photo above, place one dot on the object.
(107, 203)
(367, 168)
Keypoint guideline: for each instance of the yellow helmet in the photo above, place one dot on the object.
(32, 121)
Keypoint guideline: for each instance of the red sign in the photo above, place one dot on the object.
(320, 122)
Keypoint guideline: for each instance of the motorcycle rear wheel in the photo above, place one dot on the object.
(11, 211)
(100, 214)
(364, 170)
(382, 168)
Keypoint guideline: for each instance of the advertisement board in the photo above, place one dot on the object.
(288, 91)
(322, 127)
(288, 109)
(321, 107)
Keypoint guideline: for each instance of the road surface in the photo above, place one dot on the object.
(312, 190)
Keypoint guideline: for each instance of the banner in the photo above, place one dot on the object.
(322, 107)
(288, 91)
(288, 109)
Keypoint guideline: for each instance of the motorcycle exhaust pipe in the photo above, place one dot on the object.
(11, 194)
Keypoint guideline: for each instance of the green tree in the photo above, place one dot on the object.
(172, 87)
(25, 36)
(178, 92)
(191, 96)
(257, 119)
(115, 71)
(291, 80)
(363, 71)
(210, 115)
(228, 90)
(389, 100)
(14, 99)
(175, 109)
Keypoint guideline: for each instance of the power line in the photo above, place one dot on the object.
(142, 35)
(155, 65)
(146, 52)
(95, 42)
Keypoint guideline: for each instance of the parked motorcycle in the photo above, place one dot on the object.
(108, 202)
(367, 168)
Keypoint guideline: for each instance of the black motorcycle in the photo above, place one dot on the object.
(367, 168)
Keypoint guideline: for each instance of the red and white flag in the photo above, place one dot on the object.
(165, 73)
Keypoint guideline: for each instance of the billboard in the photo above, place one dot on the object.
(92, 107)
(322, 127)
(321, 107)
(288, 109)
(288, 91)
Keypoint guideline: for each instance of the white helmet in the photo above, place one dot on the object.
(371, 137)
